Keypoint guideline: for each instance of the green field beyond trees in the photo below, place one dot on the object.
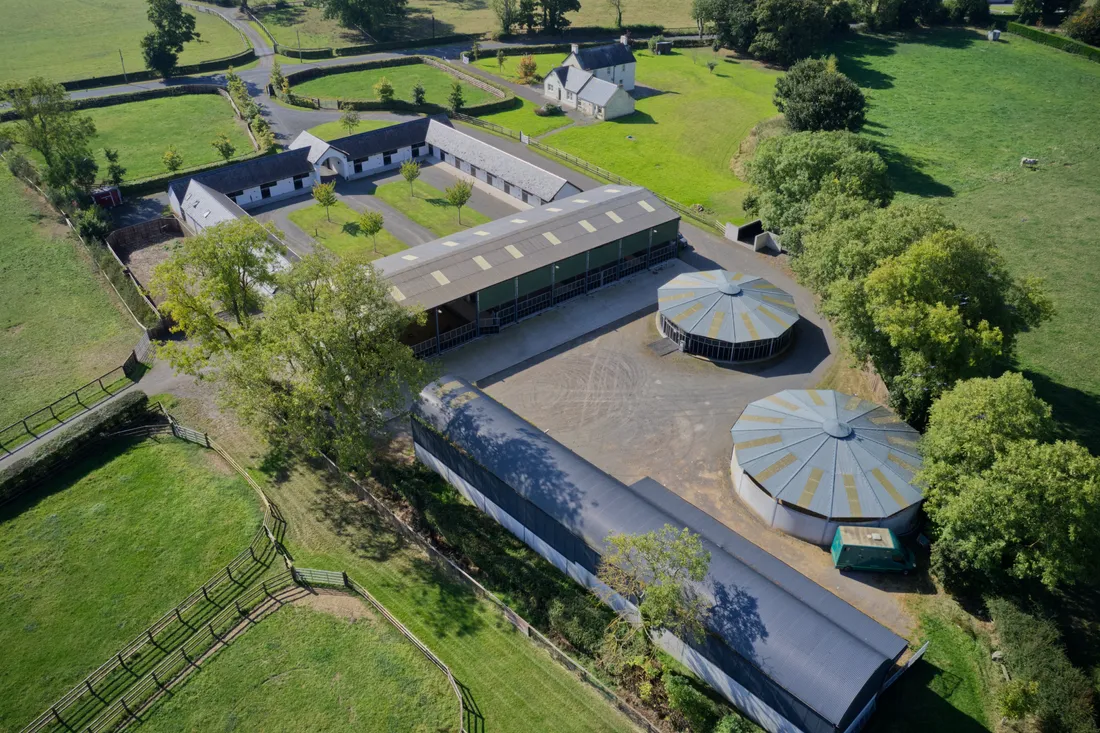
(954, 114)
(680, 141)
(304, 669)
(60, 324)
(79, 39)
(360, 85)
(101, 551)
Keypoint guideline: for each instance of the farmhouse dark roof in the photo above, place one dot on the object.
(249, 173)
(805, 652)
(373, 142)
(599, 57)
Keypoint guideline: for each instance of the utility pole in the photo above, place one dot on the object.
(124, 78)
(433, 26)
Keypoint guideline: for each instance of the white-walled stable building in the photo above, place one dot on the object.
(434, 139)
(253, 182)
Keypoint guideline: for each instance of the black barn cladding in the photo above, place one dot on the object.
(788, 653)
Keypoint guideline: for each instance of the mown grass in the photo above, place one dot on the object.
(306, 669)
(292, 24)
(78, 39)
(510, 683)
(333, 130)
(680, 141)
(524, 119)
(428, 207)
(339, 232)
(360, 85)
(60, 323)
(101, 551)
(954, 115)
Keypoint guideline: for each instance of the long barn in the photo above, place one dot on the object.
(781, 648)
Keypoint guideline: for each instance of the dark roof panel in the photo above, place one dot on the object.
(249, 173)
(598, 57)
(373, 142)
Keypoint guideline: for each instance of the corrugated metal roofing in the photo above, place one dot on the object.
(789, 631)
(598, 91)
(732, 307)
(599, 57)
(518, 243)
(249, 173)
(829, 453)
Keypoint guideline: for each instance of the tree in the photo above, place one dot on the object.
(370, 224)
(325, 195)
(456, 99)
(277, 80)
(410, 171)
(458, 195)
(222, 270)
(553, 14)
(93, 223)
(1084, 25)
(325, 369)
(115, 172)
(172, 159)
(970, 12)
(734, 21)
(475, 50)
(787, 30)
(500, 59)
(384, 90)
(658, 573)
(945, 309)
(418, 94)
(506, 12)
(1033, 515)
(789, 170)
(48, 123)
(617, 6)
(712, 65)
(528, 15)
(349, 120)
(365, 16)
(814, 97)
(265, 136)
(1050, 12)
(224, 146)
(973, 423)
(527, 68)
(172, 28)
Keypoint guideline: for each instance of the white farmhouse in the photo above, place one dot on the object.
(582, 90)
(614, 62)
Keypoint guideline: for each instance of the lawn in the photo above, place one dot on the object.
(293, 23)
(360, 85)
(78, 39)
(60, 323)
(101, 551)
(680, 141)
(524, 119)
(142, 131)
(308, 669)
(512, 684)
(954, 114)
(428, 207)
(339, 232)
(333, 130)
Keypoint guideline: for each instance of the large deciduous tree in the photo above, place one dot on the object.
(734, 21)
(506, 12)
(659, 572)
(787, 30)
(172, 28)
(553, 13)
(366, 16)
(814, 96)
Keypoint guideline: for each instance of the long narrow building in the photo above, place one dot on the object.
(785, 651)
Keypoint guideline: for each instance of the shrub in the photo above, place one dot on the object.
(527, 69)
(579, 620)
(734, 724)
(815, 96)
(1034, 653)
(685, 698)
(1084, 25)
(22, 167)
(973, 12)
(93, 223)
(787, 30)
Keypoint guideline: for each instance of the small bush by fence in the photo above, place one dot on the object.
(1092, 53)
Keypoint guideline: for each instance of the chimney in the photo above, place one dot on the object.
(575, 47)
(625, 40)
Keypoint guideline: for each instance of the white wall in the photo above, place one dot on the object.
(376, 163)
(620, 104)
(741, 698)
(284, 188)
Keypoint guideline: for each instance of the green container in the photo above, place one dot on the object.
(871, 548)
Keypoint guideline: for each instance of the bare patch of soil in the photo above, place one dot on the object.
(343, 605)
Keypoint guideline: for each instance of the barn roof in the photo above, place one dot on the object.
(249, 173)
(734, 307)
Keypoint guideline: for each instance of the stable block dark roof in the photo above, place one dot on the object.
(808, 654)
(599, 57)
(373, 142)
(248, 173)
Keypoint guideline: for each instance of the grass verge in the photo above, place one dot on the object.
(102, 551)
(428, 207)
(360, 85)
(339, 232)
(333, 130)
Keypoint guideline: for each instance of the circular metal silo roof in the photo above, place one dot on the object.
(732, 307)
(829, 454)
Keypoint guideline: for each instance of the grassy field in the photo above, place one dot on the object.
(954, 114)
(60, 323)
(333, 130)
(524, 119)
(294, 23)
(339, 232)
(674, 142)
(428, 207)
(509, 682)
(103, 550)
(360, 85)
(309, 669)
(78, 39)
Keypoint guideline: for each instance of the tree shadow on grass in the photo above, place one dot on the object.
(362, 528)
(853, 53)
(908, 176)
(350, 228)
(448, 604)
(1075, 411)
(284, 15)
(919, 702)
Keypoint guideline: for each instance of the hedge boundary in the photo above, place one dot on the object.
(221, 64)
(1092, 53)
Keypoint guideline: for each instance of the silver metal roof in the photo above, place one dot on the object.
(734, 307)
(463, 263)
(829, 453)
(598, 91)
